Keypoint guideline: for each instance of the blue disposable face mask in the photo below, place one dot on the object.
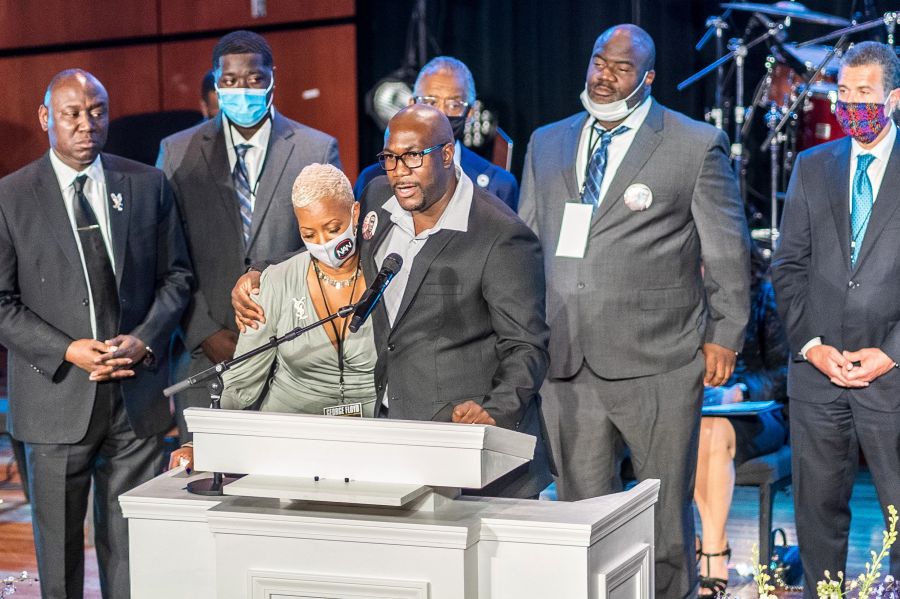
(245, 107)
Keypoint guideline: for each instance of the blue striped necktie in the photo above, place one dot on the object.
(242, 188)
(597, 167)
(862, 200)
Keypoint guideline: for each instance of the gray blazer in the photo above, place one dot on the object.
(44, 305)
(637, 304)
(819, 294)
(470, 326)
(196, 164)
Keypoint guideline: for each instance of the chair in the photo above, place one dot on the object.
(17, 446)
(771, 473)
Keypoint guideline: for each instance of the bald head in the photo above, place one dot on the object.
(637, 39)
(75, 115)
(427, 121)
(78, 76)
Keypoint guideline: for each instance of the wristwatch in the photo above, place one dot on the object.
(149, 360)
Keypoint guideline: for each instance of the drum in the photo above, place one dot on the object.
(816, 121)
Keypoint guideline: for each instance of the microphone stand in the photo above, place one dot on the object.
(213, 486)
(774, 137)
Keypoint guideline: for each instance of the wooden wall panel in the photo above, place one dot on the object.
(29, 23)
(315, 81)
(130, 75)
(178, 16)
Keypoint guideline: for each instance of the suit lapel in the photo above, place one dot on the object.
(118, 187)
(885, 204)
(433, 247)
(840, 196)
(216, 157)
(368, 251)
(53, 208)
(570, 158)
(646, 140)
(277, 155)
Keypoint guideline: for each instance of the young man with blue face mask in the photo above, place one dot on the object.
(232, 178)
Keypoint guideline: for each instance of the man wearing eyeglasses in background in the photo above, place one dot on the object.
(447, 84)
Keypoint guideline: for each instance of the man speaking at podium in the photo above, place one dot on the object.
(460, 333)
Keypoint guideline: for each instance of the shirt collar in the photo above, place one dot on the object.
(260, 139)
(881, 151)
(633, 121)
(65, 174)
(454, 218)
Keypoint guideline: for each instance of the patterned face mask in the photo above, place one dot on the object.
(863, 121)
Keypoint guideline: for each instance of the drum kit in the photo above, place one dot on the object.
(797, 93)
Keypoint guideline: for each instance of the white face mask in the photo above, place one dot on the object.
(336, 251)
(613, 111)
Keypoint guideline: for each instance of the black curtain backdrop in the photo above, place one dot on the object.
(529, 57)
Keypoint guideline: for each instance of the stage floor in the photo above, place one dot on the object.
(17, 546)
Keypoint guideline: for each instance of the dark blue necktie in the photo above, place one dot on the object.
(242, 188)
(862, 200)
(597, 167)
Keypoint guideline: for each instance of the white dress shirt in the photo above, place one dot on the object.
(403, 240)
(882, 153)
(616, 150)
(255, 158)
(95, 192)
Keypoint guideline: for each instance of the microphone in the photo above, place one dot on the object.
(389, 268)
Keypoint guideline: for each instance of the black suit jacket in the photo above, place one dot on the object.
(43, 297)
(819, 293)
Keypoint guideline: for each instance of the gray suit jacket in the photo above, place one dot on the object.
(471, 322)
(819, 294)
(44, 305)
(637, 304)
(196, 164)
(470, 326)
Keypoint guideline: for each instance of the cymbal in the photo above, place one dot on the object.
(794, 10)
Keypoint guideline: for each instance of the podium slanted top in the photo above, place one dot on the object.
(437, 454)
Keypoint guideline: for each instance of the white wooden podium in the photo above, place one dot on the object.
(369, 508)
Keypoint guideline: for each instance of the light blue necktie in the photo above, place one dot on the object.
(597, 167)
(242, 188)
(861, 205)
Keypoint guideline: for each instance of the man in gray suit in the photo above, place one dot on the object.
(95, 279)
(232, 179)
(627, 199)
(837, 278)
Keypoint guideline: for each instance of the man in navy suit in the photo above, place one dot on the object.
(447, 84)
(837, 278)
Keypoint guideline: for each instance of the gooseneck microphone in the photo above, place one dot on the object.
(368, 301)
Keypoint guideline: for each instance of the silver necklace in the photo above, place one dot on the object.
(336, 283)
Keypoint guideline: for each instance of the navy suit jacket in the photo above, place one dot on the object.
(819, 293)
(484, 174)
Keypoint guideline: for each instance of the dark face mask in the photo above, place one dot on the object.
(458, 123)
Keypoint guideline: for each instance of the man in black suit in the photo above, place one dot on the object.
(95, 279)
(232, 178)
(447, 84)
(837, 277)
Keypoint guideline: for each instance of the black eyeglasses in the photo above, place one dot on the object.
(388, 161)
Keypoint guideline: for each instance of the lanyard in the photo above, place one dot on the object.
(339, 336)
